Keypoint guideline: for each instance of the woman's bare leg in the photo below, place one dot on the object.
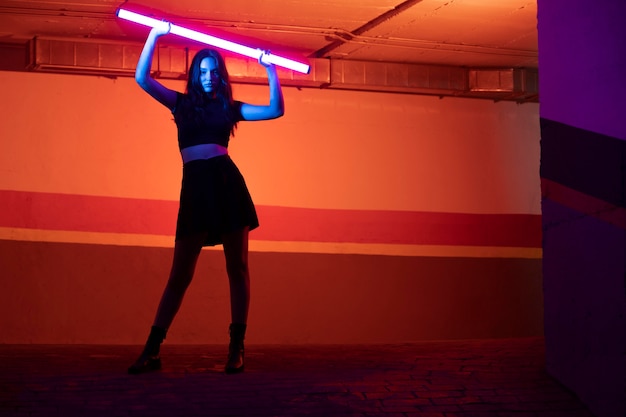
(236, 254)
(186, 252)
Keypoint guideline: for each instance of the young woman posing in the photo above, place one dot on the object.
(215, 205)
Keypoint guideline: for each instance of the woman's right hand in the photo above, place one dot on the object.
(162, 28)
(143, 76)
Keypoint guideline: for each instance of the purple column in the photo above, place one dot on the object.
(582, 69)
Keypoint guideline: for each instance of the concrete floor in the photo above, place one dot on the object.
(491, 378)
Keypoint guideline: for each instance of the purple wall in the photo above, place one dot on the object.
(582, 64)
(582, 67)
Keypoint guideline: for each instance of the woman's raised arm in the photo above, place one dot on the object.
(157, 90)
(276, 108)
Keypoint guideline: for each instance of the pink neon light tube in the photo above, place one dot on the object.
(213, 41)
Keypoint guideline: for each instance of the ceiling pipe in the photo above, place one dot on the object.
(346, 37)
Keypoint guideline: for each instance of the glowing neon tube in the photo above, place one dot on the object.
(213, 41)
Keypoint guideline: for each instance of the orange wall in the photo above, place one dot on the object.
(332, 149)
(369, 198)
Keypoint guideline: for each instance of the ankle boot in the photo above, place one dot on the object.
(235, 348)
(149, 359)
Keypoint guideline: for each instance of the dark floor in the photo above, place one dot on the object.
(495, 378)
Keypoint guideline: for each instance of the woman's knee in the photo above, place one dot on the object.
(186, 255)
(179, 280)
(237, 269)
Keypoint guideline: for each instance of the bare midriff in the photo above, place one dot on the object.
(202, 151)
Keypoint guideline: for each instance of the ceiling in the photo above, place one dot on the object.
(465, 33)
(463, 48)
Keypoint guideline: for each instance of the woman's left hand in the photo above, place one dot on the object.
(263, 59)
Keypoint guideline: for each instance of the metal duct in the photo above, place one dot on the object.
(83, 57)
(110, 58)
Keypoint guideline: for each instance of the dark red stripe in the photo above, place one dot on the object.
(125, 215)
(87, 213)
(583, 203)
(400, 227)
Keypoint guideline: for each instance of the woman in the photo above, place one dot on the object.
(215, 206)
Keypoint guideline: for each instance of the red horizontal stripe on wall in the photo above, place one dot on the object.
(399, 227)
(583, 203)
(126, 215)
(85, 213)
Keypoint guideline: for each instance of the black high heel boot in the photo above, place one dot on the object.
(235, 363)
(149, 359)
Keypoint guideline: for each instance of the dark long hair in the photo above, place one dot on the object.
(198, 98)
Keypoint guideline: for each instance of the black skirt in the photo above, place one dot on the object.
(214, 198)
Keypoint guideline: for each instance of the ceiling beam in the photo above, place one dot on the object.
(323, 52)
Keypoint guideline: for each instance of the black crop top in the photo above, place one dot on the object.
(210, 123)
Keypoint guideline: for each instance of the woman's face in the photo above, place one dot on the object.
(209, 76)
